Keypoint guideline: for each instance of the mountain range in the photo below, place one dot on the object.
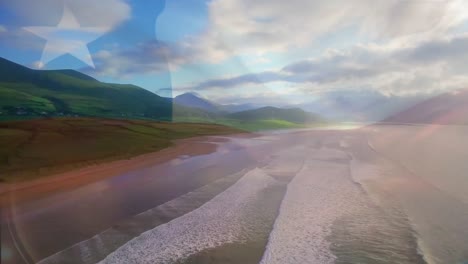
(359, 106)
(449, 108)
(28, 93)
(192, 99)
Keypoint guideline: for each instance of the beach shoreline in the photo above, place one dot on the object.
(377, 180)
(74, 178)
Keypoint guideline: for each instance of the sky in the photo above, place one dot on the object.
(243, 51)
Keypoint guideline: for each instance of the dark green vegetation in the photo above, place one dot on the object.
(28, 93)
(37, 147)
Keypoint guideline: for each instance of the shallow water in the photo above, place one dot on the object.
(424, 170)
(301, 197)
(235, 216)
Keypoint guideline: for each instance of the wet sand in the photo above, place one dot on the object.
(99, 246)
(379, 194)
(53, 213)
(47, 185)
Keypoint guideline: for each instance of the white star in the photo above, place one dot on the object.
(67, 37)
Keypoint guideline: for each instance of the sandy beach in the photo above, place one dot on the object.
(75, 178)
(376, 194)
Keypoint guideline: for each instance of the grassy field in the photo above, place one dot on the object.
(33, 148)
(253, 125)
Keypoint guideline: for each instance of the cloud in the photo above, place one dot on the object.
(19, 39)
(240, 27)
(259, 78)
(144, 58)
(431, 66)
(3, 29)
(265, 26)
(442, 50)
(395, 18)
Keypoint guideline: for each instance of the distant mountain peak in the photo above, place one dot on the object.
(192, 94)
(192, 99)
(450, 108)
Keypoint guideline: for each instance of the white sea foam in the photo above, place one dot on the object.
(96, 248)
(226, 218)
(319, 194)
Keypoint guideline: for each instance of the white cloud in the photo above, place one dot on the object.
(419, 55)
(429, 67)
(263, 26)
(257, 28)
(145, 58)
(393, 18)
(3, 29)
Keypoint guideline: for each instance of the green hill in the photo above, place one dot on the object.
(294, 115)
(27, 92)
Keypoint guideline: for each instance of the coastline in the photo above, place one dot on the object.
(44, 220)
(74, 178)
